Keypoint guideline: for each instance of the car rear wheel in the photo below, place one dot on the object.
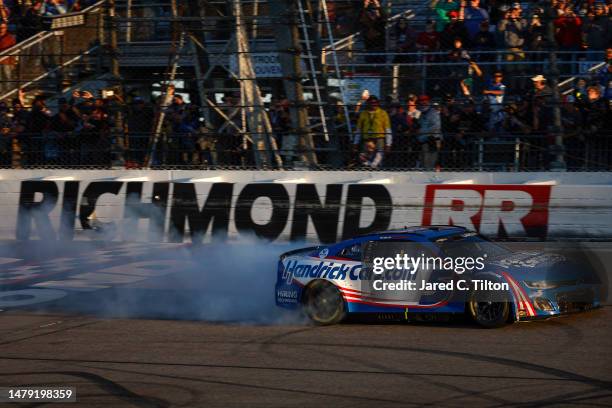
(324, 304)
(488, 311)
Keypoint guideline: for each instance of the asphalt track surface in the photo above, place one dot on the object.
(137, 357)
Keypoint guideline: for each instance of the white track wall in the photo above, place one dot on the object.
(312, 206)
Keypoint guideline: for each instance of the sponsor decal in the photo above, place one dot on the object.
(493, 210)
(287, 296)
(530, 260)
(296, 269)
(324, 252)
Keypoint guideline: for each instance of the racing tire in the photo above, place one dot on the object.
(323, 303)
(487, 312)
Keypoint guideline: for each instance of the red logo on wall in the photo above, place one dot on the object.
(492, 210)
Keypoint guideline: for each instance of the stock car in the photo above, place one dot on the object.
(327, 281)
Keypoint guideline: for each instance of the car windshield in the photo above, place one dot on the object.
(470, 244)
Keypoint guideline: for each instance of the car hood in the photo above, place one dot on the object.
(538, 266)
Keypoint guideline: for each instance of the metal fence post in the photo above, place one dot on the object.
(517, 153)
(558, 164)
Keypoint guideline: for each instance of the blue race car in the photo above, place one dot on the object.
(331, 282)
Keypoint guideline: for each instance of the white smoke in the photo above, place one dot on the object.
(230, 282)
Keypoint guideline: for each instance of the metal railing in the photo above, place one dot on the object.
(475, 152)
(74, 19)
(42, 60)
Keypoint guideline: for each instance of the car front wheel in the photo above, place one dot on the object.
(324, 304)
(488, 311)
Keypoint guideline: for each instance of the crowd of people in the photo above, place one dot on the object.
(491, 25)
(418, 132)
(25, 18)
(502, 133)
(22, 19)
(473, 110)
(77, 132)
(488, 72)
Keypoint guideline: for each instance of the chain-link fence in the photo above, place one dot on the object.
(95, 148)
(358, 84)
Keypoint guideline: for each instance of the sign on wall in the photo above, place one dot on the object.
(355, 86)
(298, 206)
(265, 64)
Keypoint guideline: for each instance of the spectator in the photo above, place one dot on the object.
(372, 21)
(595, 121)
(567, 29)
(430, 133)
(442, 9)
(467, 124)
(54, 8)
(568, 36)
(7, 63)
(604, 13)
(6, 125)
(405, 38)
(177, 106)
(604, 75)
(494, 94)
(371, 157)
(20, 115)
(32, 21)
(513, 30)
(539, 120)
(63, 124)
(578, 97)
(281, 123)
(497, 9)
(470, 82)
(541, 105)
(66, 119)
(139, 126)
(595, 35)
(484, 40)
(373, 124)
(185, 135)
(428, 40)
(95, 134)
(536, 36)
(515, 120)
(457, 72)
(474, 16)
(5, 13)
(36, 129)
(398, 126)
(449, 115)
(454, 30)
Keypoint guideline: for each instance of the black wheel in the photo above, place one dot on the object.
(488, 311)
(323, 303)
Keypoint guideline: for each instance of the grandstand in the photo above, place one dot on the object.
(299, 84)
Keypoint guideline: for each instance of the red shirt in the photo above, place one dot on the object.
(428, 40)
(6, 42)
(568, 31)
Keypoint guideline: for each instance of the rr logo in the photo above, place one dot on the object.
(492, 210)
